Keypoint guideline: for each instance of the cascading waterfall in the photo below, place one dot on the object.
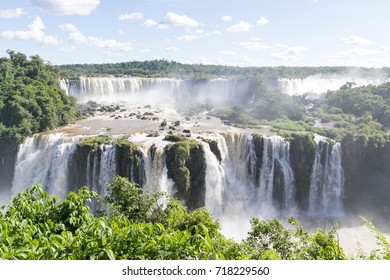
(103, 168)
(119, 89)
(215, 182)
(321, 84)
(153, 90)
(327, 180)
(43, 159)
(154, 175)
(276, 169)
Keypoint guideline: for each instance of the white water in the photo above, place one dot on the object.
(277, 151)
(321, 84)
(215, 182)
(103, 168)
(153, 164)
(149, 90)
(327, 180)
(43, 159)
(130, 89)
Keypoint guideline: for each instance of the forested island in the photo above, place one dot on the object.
(126, 222)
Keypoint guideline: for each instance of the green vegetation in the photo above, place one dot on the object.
(133, 225)
(164, 68)
(95, 141)
(31, 99)
(174, 137)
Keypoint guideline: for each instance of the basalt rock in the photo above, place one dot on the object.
(186, 166)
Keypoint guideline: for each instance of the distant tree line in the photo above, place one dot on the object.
(165, 68)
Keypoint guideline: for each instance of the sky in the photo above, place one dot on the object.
(222, 32)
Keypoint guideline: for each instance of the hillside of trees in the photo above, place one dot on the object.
(31, 100)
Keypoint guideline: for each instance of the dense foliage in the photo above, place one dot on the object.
(164, 68)
(133, 225)
(31, 100)
(370, 102)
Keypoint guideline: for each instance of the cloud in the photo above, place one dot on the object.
(229, 53)
(354, 52)
(172, 49)
(242, 26)
(77, 37)
(132, 16)
(189, 37)
(355, 40)
(68, 49)
(226, 18)
(150, 23)
(179, 20)
(34, 32)
(213, 33)
(12, 13)
(292, 53)
(262, 21)
(254, 46)
(67, 7)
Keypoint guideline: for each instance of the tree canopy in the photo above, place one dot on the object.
(31, 99)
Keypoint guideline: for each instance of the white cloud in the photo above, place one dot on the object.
(384, 48)
(34, 32)
(242, 26)
(179, 20)
(354, 52)
(229, 53)
(172, 49)
(213, 33)
(145, 50)
(132, 16)
(12, 13)
(150, 23)
(291, 53)
(77, 37)
(262, 21)
(69, 27)
(254, 46)
(68, 49)
(190, 37)
(162, 26)
(121, 32)
(67, 7)
(226, 18)
(355, 40)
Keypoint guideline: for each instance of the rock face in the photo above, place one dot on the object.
(7, 166)
(367, 177)
(96, 160)
(186, 166)
(302, 151)
(258, 144)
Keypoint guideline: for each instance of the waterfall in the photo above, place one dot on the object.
(103, 168)
(239, 180)
(43, 159)
(117, 89)
(215, 182)
(152, 165)
(327, 180)
(276, 169)
(320, 84)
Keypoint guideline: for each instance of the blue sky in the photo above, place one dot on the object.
(229, 32)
